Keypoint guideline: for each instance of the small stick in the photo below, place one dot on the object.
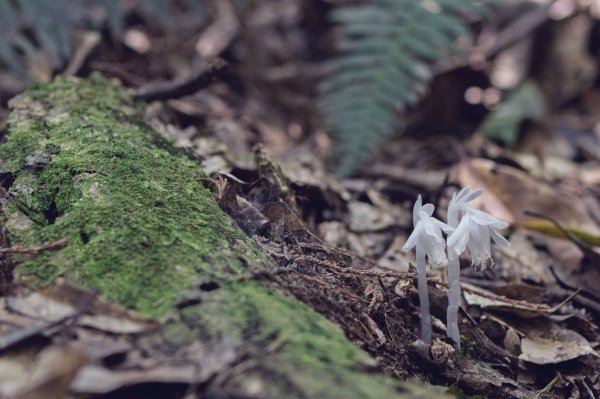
(34, 250)
(198, 80)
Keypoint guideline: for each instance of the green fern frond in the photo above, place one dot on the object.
(388, 48)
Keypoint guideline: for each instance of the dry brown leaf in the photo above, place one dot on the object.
(367, 218)
(522, 262)
(194, 365)
(522, 291)
(51, 374)
(516, 192)
(578, 323)
(547, 343)
(523, 310)
(94, 379)
(61, 299)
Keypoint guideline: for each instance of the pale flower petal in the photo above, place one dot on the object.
(479, 247)
(417, 209)
(412, 240)
(428, 234)
(436, 255)
(475, 194)
(475, 230)
(428, 209)
(483, 218)
(457, 241)
(498, 239)
(445, 228)
(462, 193)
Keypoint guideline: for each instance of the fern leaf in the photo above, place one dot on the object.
(388, 48)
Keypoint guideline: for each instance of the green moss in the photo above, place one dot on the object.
(140, 225)
(290, 340)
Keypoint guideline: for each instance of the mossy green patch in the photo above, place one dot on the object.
(140, 225)
(293, 342)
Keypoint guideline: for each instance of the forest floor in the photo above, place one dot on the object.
(529, 324)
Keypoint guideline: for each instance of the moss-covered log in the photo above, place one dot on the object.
(80, 164)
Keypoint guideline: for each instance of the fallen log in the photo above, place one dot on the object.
(80, 164)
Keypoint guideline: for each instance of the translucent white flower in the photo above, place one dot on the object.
(427, 234)
(475, 230)
(427, 238)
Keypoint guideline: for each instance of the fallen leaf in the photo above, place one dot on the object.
(549, 228)
(51, 374)
(522, 262)
(499, 303)
(95, 379)
(578, 323)
(511, 192)
(394, 257)
(367, 218)
(547, 343)
(61, 299)
(522, 291)
(202, 364)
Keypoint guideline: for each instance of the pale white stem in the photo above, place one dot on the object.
(453, 298)
(423, 296)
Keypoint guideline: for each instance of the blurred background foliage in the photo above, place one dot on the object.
(377, 67)
(387, 49)
(27, 26)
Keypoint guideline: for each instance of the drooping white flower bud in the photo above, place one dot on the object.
(475, 229)
(427, 233)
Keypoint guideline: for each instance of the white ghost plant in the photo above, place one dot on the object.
(428, 240)
(473, 230)
(467, 228)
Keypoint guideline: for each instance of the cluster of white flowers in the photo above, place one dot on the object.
(467, 228)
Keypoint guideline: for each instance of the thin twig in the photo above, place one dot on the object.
(196, 81)
(35, 250)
